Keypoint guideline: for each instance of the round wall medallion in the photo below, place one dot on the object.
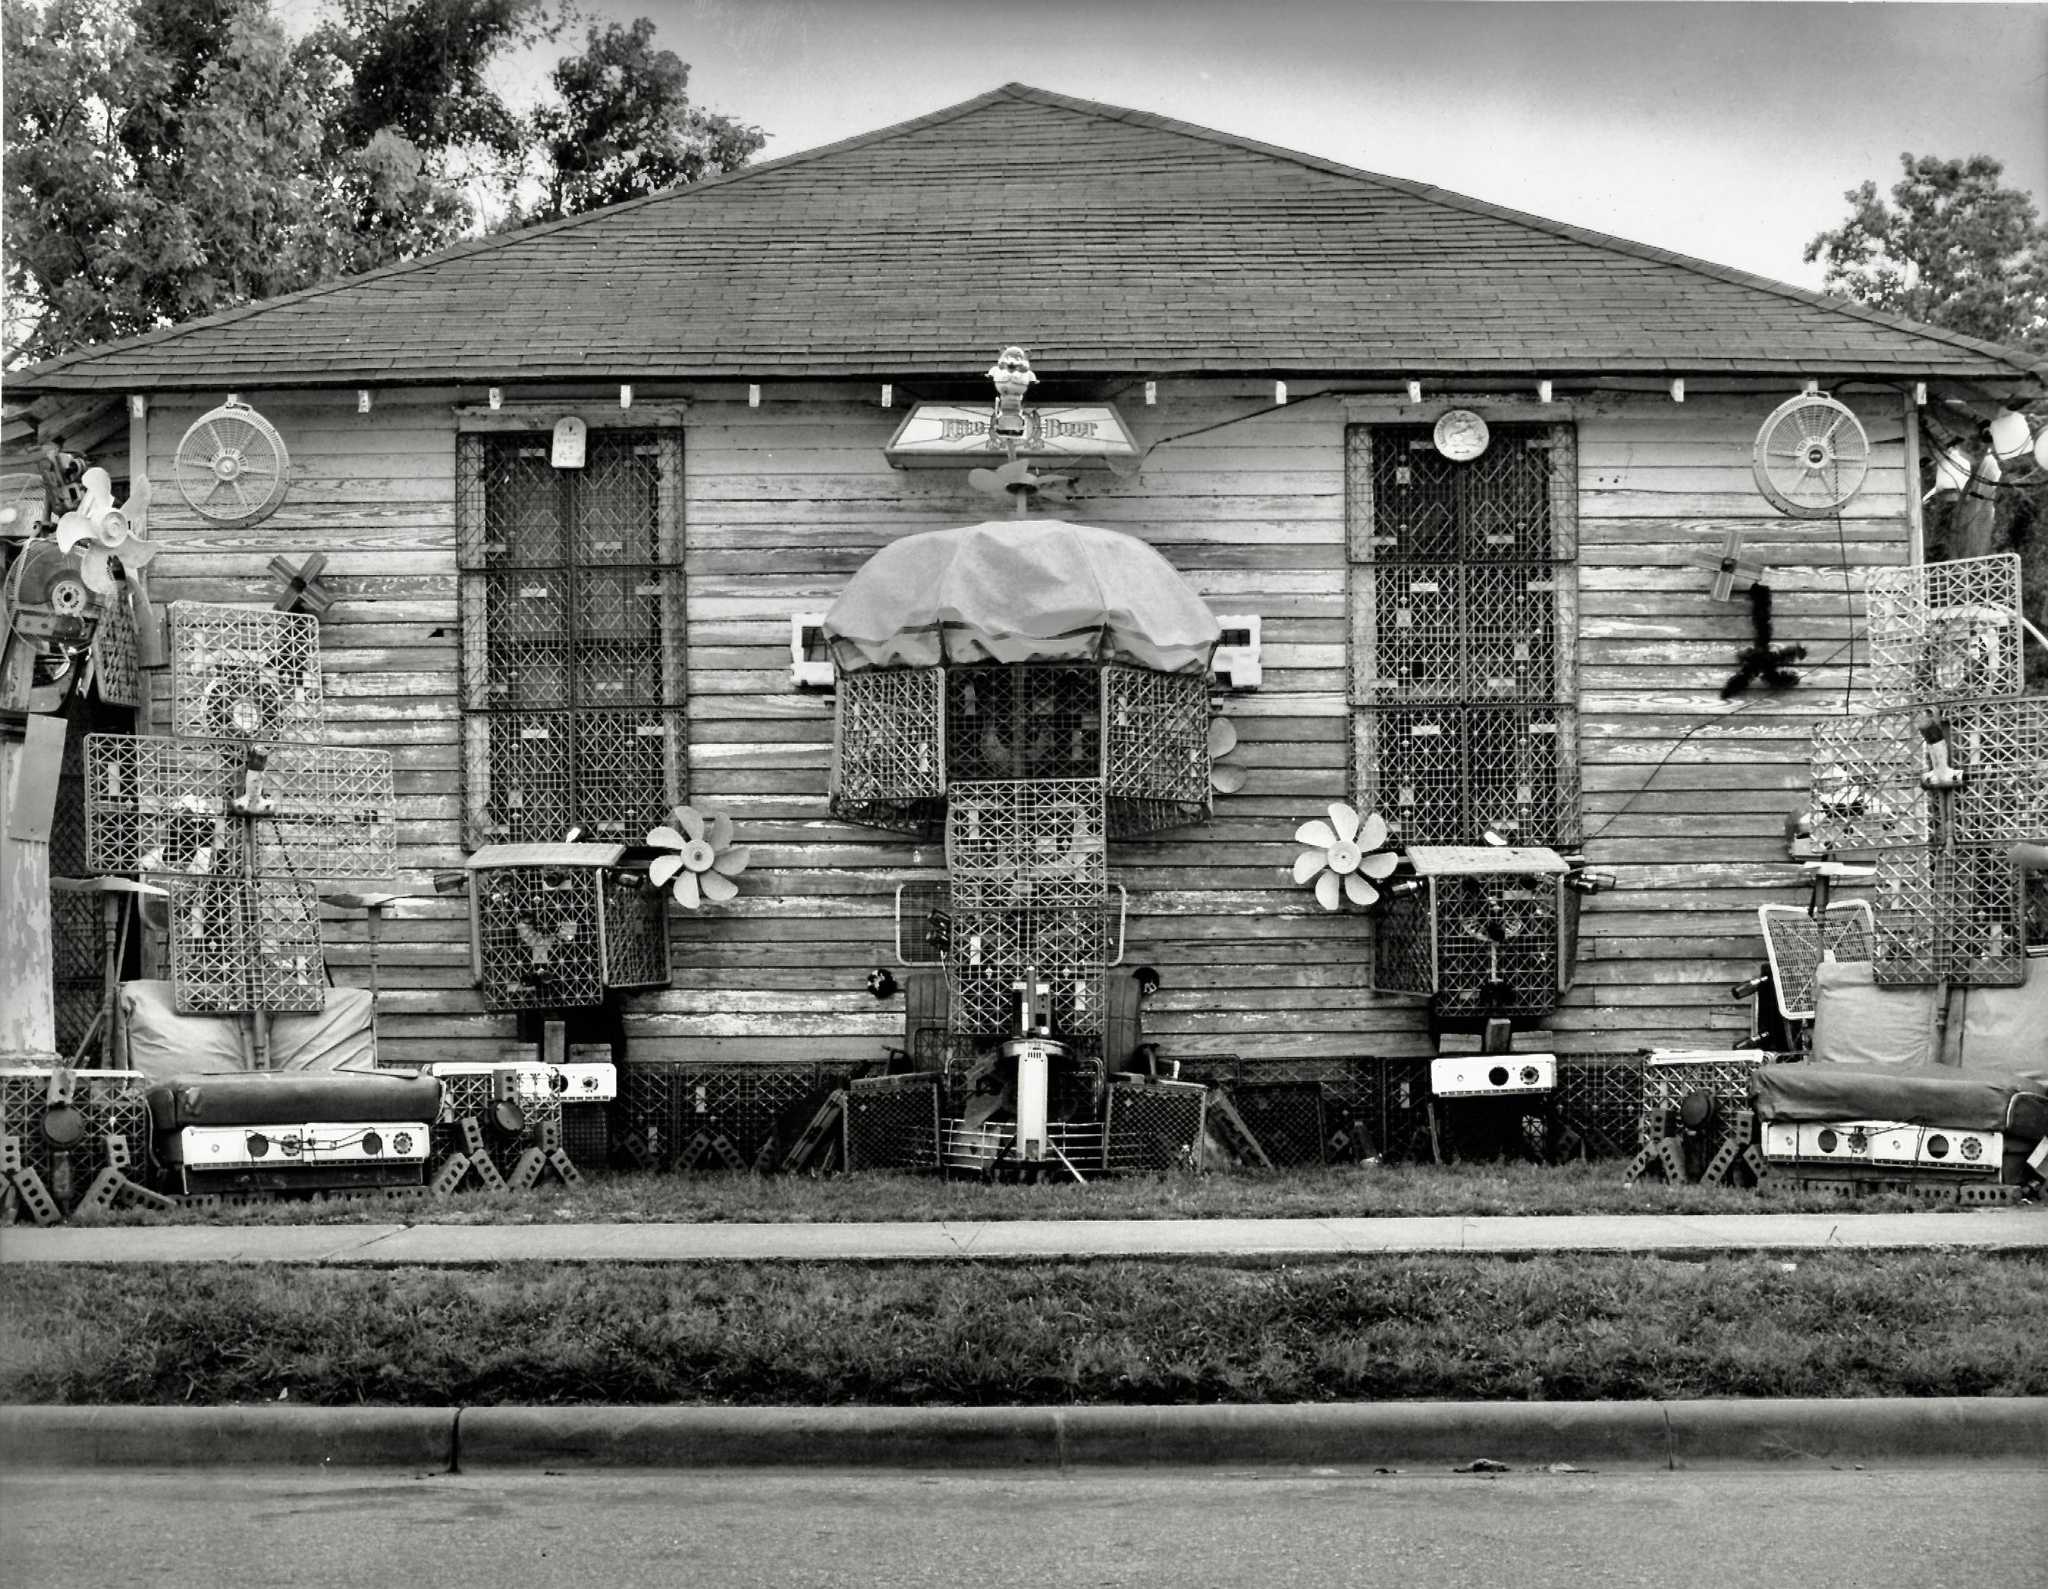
(1460, 435)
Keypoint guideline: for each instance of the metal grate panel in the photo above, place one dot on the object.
(245, 673)
(616, 774)
(237, 944)
(1426, 507)
(1945, 631)
(1033, 845)
(1950, 915)
(1798, 942)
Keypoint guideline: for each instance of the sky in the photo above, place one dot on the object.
(1726, 131)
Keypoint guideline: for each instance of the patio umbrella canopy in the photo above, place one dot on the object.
(1020, 590)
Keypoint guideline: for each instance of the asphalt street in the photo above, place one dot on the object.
(1084, 1529)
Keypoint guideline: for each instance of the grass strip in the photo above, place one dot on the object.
(1373, 1329)
(1308, 1193)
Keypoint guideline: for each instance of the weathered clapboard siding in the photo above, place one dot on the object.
(784, 501)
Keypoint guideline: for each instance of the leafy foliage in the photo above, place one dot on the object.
(1953, 248)
(170, 159)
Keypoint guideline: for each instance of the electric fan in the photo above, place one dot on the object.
(231, 465)
(1810, 456)
(23, 504)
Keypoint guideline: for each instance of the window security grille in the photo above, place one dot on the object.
(1463, 632)
(572, 636)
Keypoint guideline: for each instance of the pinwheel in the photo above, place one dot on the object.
(1344, 858)
(702, 860)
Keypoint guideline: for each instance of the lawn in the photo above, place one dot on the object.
(1556, 1327)
(1309, 1193)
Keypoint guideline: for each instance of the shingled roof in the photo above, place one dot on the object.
(1102, 239)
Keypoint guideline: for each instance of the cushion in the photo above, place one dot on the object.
(1857, 1022)
(163, 1043)
(1927, 1095)
(2007, 1028)
(273, 1098)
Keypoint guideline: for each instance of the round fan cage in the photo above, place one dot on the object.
(231, 465)
(1811, 456)
(243, 700)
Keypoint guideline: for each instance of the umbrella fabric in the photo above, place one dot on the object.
(1019, 590)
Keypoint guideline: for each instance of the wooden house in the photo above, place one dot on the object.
(1280, 334)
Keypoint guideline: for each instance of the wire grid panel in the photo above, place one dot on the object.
(1599, 1097)
(1865, 776)
(892, 1123)
(1798, 942)
(615, 774)
(635, 931)
(924, 923)
(116, 671)
(524, 663)
(161, 805)
(1067, 949)
(1033, 844)
(1031, 720)
(2001, 747)
(1669, 1077)
(1511, 624)
(1945, 631)
(241, 944)
(1153, 1125)
(113, 1102)
(1529, 912)
(889, 739)
(474, 1094)
(538, 936)
(1404, 944)
(1417, 632)
(1156, 737)
(1954, 914)
(245, 673)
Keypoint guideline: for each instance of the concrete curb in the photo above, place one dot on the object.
(1410, 1435)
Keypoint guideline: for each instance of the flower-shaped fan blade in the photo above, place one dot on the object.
(1222, 741)
(1344, 857)
(702, 859)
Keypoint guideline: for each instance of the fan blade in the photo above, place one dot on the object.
(686, 818)
(1344, 820)
(721, 830)
(1307, 864)
(1329, 893)
(687, 894)
(1316, 833)
(985, 480)
(665, 838)
(92, 568)
(717, 889)
(1226, 780)
(96, 489)
(1359, 891)
(732, 862)
(662, 868)
(1372, 832)
(73, 528)
(1378, 865)
(1222, 737)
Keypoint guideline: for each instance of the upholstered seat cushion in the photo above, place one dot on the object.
(1924, 1095)
(266, 1098)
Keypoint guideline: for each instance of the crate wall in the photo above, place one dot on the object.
(114, 1103)
(1446, 774)
(1950, 915)
(245, 673)
(893, 1123)
(1155, 746)
(1945, 631)
(241, 944)
(1031, 720)
(1599, 1101)
(1030, 845)
(889, 745)
(1372, 1106)
(758, 1108)
(616, 773)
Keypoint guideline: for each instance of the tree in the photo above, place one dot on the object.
(624, 126)
(1953, 249)
(169, 159)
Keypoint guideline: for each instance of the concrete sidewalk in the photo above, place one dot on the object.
(461, 1245)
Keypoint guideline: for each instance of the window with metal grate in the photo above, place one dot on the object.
(1463, 631)
(572, 635)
